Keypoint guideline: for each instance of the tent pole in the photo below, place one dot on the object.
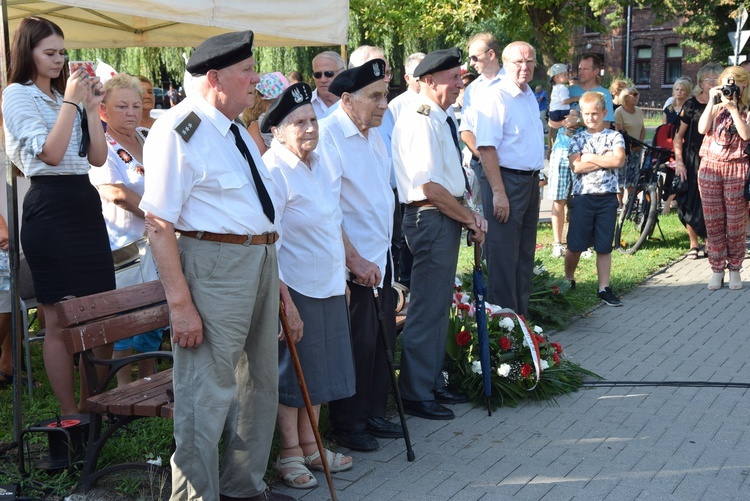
(13, 254)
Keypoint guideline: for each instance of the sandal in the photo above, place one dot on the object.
(335, 464)
(693, 253)
(295, 468)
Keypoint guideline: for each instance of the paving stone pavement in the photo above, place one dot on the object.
(601, 443)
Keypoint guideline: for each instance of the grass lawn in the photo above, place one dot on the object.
(151, 438)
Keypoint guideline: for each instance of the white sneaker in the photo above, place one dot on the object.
(558, 250)
(586, 254)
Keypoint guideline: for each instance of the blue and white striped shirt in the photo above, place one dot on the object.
(29, 115)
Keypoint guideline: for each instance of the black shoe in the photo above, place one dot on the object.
(383, 428)
(445, 396)
(609, 297)
(357, 440)
(572, 284)
(428, 410)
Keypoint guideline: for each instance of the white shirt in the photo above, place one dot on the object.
(322, 110)
(402, 101)
(360, 169)
(123, 227)
(311, 253)
(560, 93)
(29, 115)
(203, 184)
(472, 94)
(509, 121)
(424, 151)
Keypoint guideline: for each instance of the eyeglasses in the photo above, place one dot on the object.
(524, 62)
(474, 59)
(710, 80)
(328, 73)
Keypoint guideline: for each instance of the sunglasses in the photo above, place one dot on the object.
(474, 59)
(319, 74)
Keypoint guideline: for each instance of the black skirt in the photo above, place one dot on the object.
(64, 238)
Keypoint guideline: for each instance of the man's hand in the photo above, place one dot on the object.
(294, 321)
(365, 272)
(500, 207)
(187, 326)
(478, 228)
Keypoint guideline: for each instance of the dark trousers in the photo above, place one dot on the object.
(370, 366)
(509, 247)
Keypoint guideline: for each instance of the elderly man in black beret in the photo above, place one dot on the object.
(432, 185)
(353, 150)
(206, 180)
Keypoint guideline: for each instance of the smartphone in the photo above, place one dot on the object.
(87, 65)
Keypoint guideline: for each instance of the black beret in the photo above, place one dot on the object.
(292, 98)
(220, 51)
(439, 60)
(358, 77)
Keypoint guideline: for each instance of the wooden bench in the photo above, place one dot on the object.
(101, 319)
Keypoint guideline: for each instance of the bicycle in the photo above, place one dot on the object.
(640, 216)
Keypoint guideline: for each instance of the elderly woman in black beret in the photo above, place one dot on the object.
(312, 264)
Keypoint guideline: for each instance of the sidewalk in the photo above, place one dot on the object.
(621, 443)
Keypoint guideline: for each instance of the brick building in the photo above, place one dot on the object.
(652, 52)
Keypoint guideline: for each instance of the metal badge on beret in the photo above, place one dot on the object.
(292, 98)
(220, 51)
(357, 78)
(439, 60)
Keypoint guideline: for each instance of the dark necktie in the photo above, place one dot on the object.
(265, 199)
(454, 135)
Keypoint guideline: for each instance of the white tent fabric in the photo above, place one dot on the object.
(184, 23)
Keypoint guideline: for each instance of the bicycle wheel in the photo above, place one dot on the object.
(637, 220)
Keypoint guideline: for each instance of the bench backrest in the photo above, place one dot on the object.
(107, 317)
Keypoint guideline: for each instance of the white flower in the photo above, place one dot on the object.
(545, 365)
(538, 329)
(155, 462)
(503, 370)
(476, 367)
(507, 324)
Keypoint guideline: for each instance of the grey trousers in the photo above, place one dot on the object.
(434, 239)
(227, 388)
(509, 247)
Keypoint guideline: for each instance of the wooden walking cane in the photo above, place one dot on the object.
(306, 396)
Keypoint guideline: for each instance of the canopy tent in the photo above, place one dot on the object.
(169, 23)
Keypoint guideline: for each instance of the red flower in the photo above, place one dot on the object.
(463, 338)
(557, 347)
(463, 306)
(539, 338)
(555, 290)
(556, 358)
(504, 343)
(525, 370)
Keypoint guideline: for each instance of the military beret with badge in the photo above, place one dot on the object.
(357, 78)
(439, 60)
(292, 98)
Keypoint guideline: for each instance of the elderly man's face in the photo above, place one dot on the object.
(368, 107)
(238, 84)
(324, 71)
(520, 65)
(447, 86)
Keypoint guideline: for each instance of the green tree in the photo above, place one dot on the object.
(155, 63)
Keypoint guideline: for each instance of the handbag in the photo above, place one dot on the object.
(679, 186)
(746, 191)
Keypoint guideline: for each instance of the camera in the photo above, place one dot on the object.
(730, 90)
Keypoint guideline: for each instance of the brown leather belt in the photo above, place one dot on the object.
(427, 203)
(228, 238)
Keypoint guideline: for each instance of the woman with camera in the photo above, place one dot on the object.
(722, 174)
(63, 233)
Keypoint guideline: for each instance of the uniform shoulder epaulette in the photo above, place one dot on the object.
(187, 127)
(424, 110)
